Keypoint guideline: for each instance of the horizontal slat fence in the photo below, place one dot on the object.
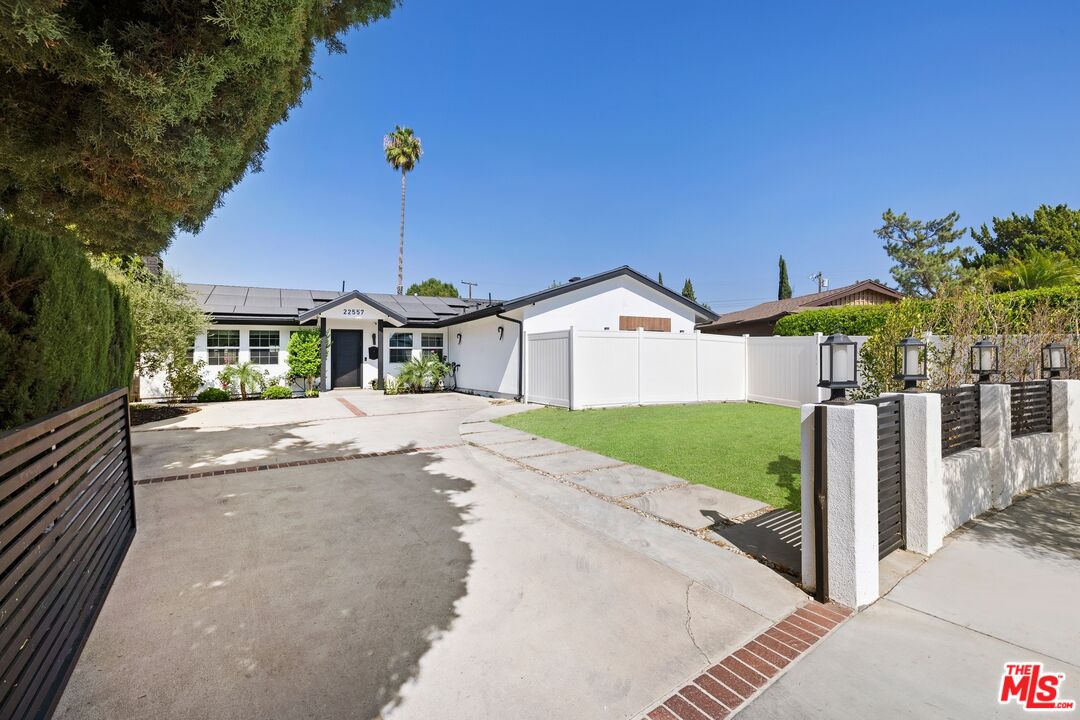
(1030, 407)
(67, 516)
(960, 425)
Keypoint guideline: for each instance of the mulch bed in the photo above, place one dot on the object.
(141, 414)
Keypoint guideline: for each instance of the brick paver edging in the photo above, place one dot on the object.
(724, 688)
(295, 463)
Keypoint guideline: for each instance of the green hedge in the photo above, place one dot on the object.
(867, 319)
(66, 333)
(847, 319)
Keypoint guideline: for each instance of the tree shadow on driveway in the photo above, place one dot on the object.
(299, 592)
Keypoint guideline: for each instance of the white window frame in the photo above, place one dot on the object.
(222, 349)
(275, 348)
(426, 348)
(405, 348)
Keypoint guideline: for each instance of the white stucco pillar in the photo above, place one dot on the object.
(995, 423)
(924, 493)
(1065, 396)
(850, 465)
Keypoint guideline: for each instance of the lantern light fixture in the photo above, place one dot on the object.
(984, 359)
(909, 362)
(1055, 359)
(839, 366)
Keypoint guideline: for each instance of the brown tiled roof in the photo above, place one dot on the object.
(776, 309)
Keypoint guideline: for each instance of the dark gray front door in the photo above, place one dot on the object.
(346, 357)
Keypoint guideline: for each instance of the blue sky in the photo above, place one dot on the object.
(699, 139)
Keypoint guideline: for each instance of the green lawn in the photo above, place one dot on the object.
(748, 449)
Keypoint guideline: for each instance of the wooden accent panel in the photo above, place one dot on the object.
(654, 324)
(67, 516)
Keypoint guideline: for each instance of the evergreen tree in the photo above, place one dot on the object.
(688, 291)
(433, 287)
(1054, 230)
(126, 120)
(784, 291)
(660, 278)
(923, 251)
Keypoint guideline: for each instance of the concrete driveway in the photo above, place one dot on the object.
(1003, 590)
(431, 583)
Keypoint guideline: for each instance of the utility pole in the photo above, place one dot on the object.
(822, 281)
(471, 286)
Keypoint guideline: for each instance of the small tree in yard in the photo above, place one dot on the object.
(304, 360)
(166, 316)
(183, 378)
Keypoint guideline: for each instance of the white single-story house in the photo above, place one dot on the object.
(367, 336)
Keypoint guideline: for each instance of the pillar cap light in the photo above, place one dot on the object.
(839, 365)
(984, 359)
(1055, 359)
(903, 367)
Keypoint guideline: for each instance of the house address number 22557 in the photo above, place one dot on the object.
(353, 311)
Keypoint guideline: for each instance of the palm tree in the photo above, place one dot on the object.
(1034, 269)
(245, 375)
(403, 151)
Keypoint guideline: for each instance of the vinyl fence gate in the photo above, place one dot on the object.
(890, 432)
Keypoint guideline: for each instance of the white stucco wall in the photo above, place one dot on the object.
(599, 306)
(967, 483)
(153, 386)
(488, 364)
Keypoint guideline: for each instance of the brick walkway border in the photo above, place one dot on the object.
(295, 463)
(727, 686)
(352, 408)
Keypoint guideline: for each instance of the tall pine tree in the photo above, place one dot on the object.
(660, 278)
(923, 251)
(688, 291)
(784, 290)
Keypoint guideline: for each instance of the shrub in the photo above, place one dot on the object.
(183, 377)
(66, 333)
(423, 373)
(276, 392)
(847, 319)
(213, 395)
(1014, 309)
(245, 377)
(304, 360)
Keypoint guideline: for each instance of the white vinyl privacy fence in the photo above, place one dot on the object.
(583, 369)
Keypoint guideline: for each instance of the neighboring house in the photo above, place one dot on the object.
(367, 336)
(760, 319)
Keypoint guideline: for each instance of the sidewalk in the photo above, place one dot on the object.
(1002, 590)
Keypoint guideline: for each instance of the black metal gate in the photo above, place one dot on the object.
(890, 432)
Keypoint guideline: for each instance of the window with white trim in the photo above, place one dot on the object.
(264, 346)
(400, 347)
(431, 344)
(223, 346)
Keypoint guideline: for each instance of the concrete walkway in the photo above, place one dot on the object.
(738, 523)
(1002, 590)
